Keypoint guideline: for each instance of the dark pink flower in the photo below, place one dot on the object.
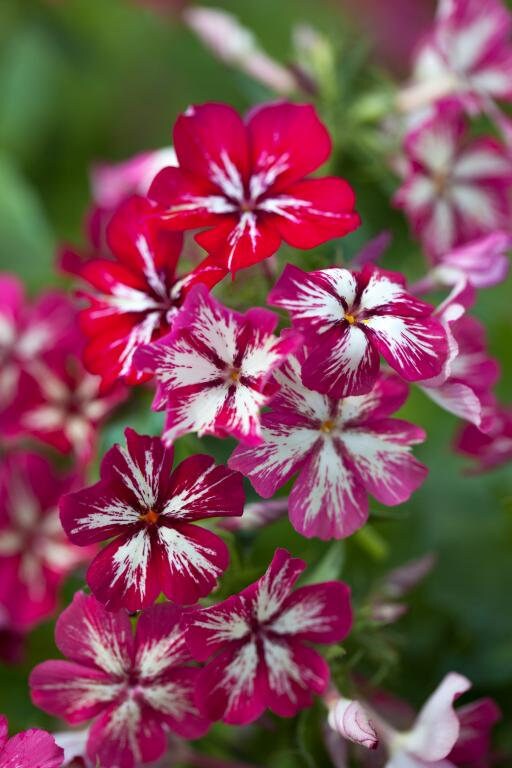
(349, 318)
(215, 370)
(28, 331)
(477, 720)
(30, 749)
(454, 190)
(136, 296)
(35, 555)
(491, 448)
(151, 511)
(260, 639)
(340, 450)
(244, 182)
(134, 688)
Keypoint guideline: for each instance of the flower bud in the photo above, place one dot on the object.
(350, 719)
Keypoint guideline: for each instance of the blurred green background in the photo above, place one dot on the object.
(84, 80)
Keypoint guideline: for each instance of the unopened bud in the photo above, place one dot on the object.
(350, 719)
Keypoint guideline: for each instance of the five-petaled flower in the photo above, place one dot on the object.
(349, 318)
(35, 555)
(454, 191)
(215, 370)
(151, 511)
(260, 639)
(135, 687)
(30, 749)
(245, 182)
(135, 296)
(340, 450)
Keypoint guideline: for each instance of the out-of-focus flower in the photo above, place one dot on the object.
(215, 370)
(384, 608)
(27, 331)
(135, 296)
(30, 749)
(465, 386)
(473, 746)
(236, 45)
(350, 719)
(260, 639)
(151, 511)
(349, 318)
(245, 183)
(134, 688)
(491, 448)
(35, 556)
(256, 515)
(468, 53)
(454, 190)
(341, 450)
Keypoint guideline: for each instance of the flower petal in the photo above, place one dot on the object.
(241, 241)
(318, 613)
(208, 629)
(31, 749)
(159, 641)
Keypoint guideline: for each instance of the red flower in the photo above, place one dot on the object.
(244, 182)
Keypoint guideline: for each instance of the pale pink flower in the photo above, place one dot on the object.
(350, 719)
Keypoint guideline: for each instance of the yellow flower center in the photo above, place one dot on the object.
(327, 426)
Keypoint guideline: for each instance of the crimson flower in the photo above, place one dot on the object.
(340, 450)
(350, 318)
(35, 555)
(259, 640)
(134, 688)
(244, 182)
(30, 749)
(136, 295)
(150, 511)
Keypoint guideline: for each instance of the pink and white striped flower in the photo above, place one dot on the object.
(215, 370)
(35, 555)
(259, 640)
(245, 182)
(150, 512)
(454, 190)
(135, 296)
(340, 450)
(492, 448)
(350, 318)
(134, 688)
(29, 749)
(27, 331)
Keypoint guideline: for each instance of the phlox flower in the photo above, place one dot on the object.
(134, 297)
(491, 448)
(244, 182)
(215, 369)
(454, 190)
(482, 262)
(135, 688)
(340, 451)
(260, 643)
(35, 555)
(348, 319)
(31, 749)
(150, 513)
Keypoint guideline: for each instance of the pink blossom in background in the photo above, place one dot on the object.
(348, 319)
(133, 688)
(245, 183)
(150, 511)
(215, 370)
(455, 189)
(134, 297)
(473, 746)
(340, 450)
(491, 448)
(257, 514)
(31, 749)
(35, 555)
(483, 262)
(28, 330)
(260, 643)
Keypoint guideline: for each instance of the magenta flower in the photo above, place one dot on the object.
(260, 639)
(491, 448)
(244, 182)
(215, 369)
(349, 318)
(476, 720)
(340, 450)
(468, 53)
(29, 331)
(151, 511)
(135, 297)
(35, 555)
(30, 749)
(134, 688)
(454, 190)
